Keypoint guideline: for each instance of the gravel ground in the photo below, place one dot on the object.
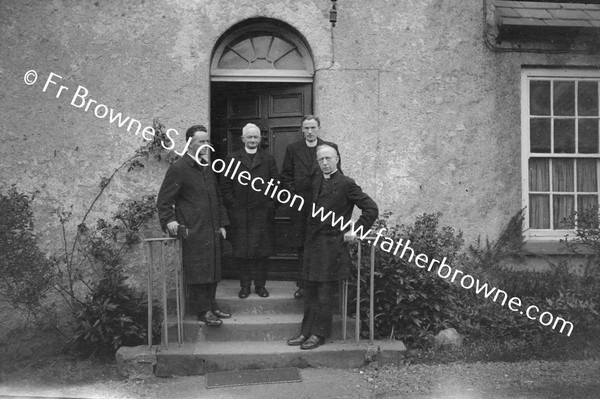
(532, 379)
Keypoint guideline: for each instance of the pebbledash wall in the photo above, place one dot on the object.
(426, 116)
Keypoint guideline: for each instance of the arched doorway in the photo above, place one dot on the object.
(262, 73)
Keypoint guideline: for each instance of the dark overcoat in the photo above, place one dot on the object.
(190, 195)
(297, 174)
(251, 212)
(326, 255)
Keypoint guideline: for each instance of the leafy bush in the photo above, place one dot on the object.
(412, 304)
(25, 273)
(112, 315)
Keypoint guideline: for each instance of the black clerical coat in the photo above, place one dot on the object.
(190, 195)
(297, 174)
(326, 255)
(251, 212)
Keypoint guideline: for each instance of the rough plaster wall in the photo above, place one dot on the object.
(427, 117)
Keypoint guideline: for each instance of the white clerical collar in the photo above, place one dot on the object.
(311, 143)
(328, 176)
(251, 150)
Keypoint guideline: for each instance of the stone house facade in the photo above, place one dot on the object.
(469, 107)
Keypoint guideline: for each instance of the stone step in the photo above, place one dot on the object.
(251, 327)
(203, 358)
(281, 299)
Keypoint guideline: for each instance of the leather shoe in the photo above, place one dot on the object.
(299, 293)
(244, 292)
(261, 291)
(222, 315)
(299, 340)
(311, 343)
(210, 319)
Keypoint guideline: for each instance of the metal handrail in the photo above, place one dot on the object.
(371, 295)
(179, 292)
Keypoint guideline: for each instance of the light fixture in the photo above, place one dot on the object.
(333, 13)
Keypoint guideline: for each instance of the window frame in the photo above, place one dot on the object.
(528, 74)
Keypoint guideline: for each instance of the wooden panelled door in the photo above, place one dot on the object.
(277, 109)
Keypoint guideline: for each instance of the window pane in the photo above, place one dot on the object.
(539, 211)
(586, 202)
(562, 175)
(539, 174)
(563, 208)
(539, 97)
(587, 98)
(539, 132)
(564, 98)
(261, 45)
(588, 136)
(564, 136)
(587, 179)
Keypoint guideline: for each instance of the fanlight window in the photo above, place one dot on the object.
(263, 51)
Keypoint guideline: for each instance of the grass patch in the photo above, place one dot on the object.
(558, 347)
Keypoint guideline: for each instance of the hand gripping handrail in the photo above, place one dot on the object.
(148, 244)
(371, 295)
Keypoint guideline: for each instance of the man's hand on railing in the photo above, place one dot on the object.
(349, 236)
(172, 227)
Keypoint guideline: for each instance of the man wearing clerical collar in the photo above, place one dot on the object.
(252, 214)
(299, 169)
(326, 256)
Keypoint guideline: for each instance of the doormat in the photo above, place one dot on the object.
(252, 377)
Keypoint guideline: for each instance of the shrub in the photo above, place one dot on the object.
(411, 304)
(25, 273)
(112, 315)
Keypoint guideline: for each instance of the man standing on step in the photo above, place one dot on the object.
(326, 255)
(252, 214)
(190, 207)
(299, 169)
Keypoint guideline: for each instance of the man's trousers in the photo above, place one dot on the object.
(319, 303)
(202, 297)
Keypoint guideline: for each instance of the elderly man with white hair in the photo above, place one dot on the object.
(326, 256)
(251, 213)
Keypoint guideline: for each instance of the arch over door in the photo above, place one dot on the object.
(262, 50)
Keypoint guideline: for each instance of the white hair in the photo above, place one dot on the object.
(248, 127)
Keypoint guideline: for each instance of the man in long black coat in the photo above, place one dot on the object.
(251, 212)
(326, 257)
(190, 196)
(300, 168)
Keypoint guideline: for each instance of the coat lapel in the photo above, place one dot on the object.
(258, 158)
(245, 159)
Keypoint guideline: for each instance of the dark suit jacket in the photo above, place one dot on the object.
(297, 174)
(326, 256)
(190, 195)
(251, 212)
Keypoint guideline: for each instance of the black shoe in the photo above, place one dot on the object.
(313, 342)
(244, 292)
(299, 340)
(210, 319)
(261, 291)
(299, 293)
(222, 315)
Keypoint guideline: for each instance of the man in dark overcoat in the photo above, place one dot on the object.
(190, 197)
(299, 169)
(326, 256)
(251, 212)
